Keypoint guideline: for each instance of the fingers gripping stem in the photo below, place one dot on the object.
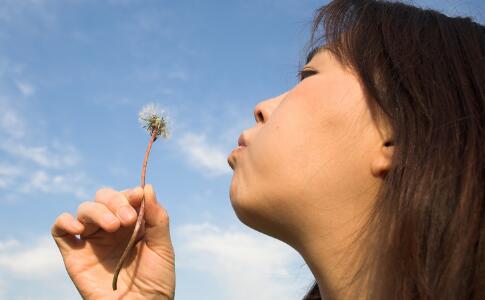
(134, 235)
(130, 245)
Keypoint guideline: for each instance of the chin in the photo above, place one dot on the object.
(252, 212)
(249, 215)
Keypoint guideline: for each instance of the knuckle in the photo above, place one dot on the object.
(119, 198)
(110, 201)
(114, 199)
(164, 217)
(57, 222)
(102, 193)
(125, 196)
(83, 207)
(63, 217)
(53, 229)
(60, 222)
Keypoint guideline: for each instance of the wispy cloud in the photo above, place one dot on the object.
(56, 156)
(45, 168)
(178, 74)
(25, 88)
(30, 261)
(36, 264)
(8, 174)
(56, 183)
(11, 124)
(7, 244)
(13, 10)
(250, 266)
(206, 157)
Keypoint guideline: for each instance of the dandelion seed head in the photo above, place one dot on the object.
(152, 118)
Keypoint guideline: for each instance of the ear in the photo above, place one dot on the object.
(381, 163)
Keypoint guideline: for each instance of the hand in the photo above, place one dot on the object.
(105, 226)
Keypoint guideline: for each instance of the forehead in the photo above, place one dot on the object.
(321, 56)
(314, 52)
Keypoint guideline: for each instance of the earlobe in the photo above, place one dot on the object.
(381, 163)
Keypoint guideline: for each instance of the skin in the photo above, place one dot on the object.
(308, 176)
(313, 164)
(105, 230)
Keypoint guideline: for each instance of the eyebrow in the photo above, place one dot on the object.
(313, 52)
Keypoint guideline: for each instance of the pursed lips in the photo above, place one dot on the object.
(241, 143)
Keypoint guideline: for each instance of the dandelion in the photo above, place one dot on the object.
(155, 121)
(153, 118)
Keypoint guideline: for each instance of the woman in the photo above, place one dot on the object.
(372, 167)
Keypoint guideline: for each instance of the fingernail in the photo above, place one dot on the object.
(151, 188)
(126, 213)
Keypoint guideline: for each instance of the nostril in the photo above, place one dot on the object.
(259, 117)
(259, 114)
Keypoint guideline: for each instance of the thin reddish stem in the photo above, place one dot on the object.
(139, 219)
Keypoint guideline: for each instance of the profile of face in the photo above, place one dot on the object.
(313, 161)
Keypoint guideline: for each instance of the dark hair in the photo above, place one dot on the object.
(424, 74)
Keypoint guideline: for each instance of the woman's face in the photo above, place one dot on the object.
(313, 158)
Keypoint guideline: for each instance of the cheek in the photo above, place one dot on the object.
(278, 151)
(310, 151)
(263, 188)
(305, 158)
(272, 169)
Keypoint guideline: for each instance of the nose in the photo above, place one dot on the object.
(259, 116)
(264, 109)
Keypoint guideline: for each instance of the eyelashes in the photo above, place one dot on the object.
(302, 74)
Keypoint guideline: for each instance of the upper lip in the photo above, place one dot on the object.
(241, 141)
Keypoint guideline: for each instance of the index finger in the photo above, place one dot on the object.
(113, 199)
(134, 195)
(121, 203)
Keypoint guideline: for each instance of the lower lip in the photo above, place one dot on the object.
(237, 149)
(233, 152)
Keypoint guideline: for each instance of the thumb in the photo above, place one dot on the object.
(64, 230)
(157, 231)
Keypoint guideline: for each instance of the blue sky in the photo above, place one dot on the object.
(73, 76)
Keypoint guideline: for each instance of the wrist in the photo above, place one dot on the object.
(133, 296)
(142, 296)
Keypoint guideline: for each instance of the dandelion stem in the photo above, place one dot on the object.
(141, 214)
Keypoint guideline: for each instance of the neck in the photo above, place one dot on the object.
(334, 258)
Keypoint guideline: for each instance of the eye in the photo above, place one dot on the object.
(302, 74)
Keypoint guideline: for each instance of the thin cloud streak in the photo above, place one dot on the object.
(41, 181)
(25, 88)
(39, 260)
(249, 266)
(55, 157)
(11, 123)
(204, 156)
(9, 174)
(36, 168)
(34, 263)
